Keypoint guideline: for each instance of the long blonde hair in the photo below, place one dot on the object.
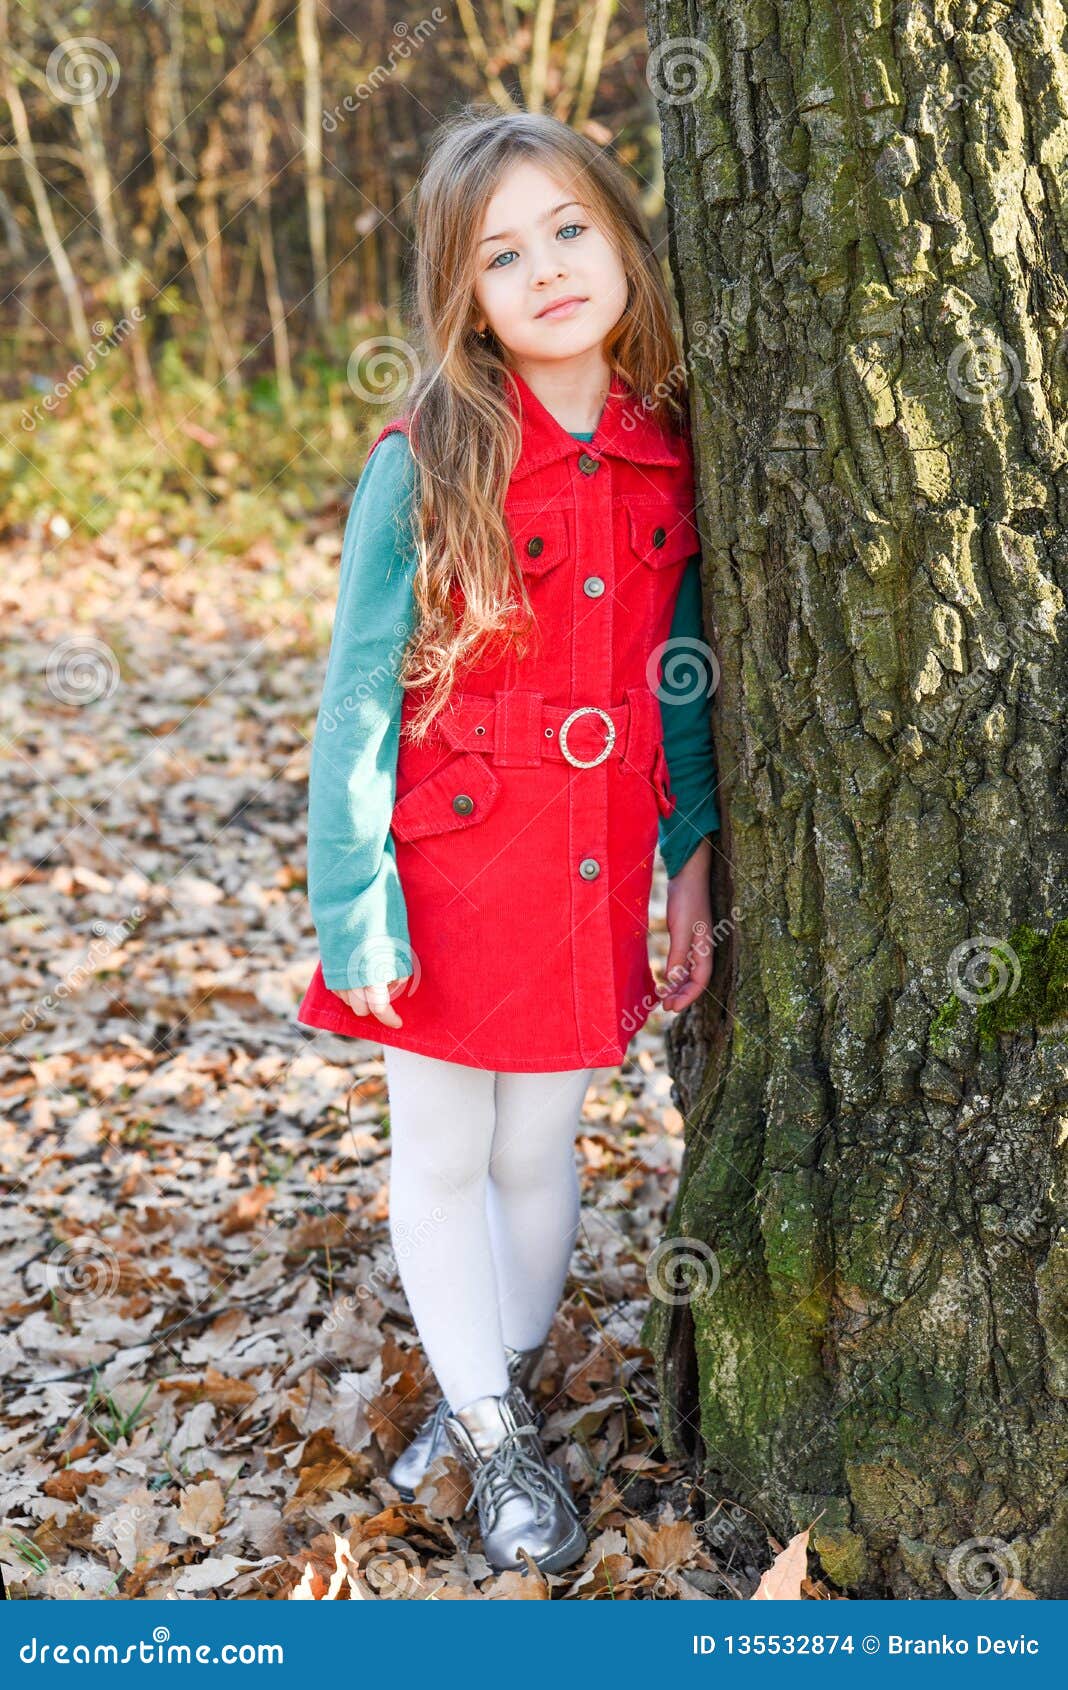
(464, 438)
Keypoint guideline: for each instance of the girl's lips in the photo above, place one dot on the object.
(566, 308)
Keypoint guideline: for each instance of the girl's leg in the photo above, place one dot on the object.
(441, 1128)
(533, 1199)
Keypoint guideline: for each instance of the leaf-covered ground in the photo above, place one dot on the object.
(208, 1362)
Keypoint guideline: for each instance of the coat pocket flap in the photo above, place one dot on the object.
(458, 794)
(539, 534)
(661, 534)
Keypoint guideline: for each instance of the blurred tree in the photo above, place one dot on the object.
(246, 181)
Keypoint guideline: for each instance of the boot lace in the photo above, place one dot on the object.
(436, 1421)
(514, 1467)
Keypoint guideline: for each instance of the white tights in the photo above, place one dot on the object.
(483, 1209)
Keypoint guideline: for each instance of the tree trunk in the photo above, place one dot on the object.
(868, 232)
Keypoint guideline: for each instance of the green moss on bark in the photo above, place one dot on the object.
(1035, 992)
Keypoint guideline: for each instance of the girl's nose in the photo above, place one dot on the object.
(549, 267)
(547, 283)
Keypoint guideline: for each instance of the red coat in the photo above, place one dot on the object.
(526, 879)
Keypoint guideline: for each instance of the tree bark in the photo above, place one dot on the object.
(39, 193)
(868, 233)
(314, 190)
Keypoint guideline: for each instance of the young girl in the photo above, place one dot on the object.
(497, 757)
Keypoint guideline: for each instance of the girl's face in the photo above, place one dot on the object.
(538, 248)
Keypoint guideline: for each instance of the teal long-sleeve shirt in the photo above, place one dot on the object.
(354, 889)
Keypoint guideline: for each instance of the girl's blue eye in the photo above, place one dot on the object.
(493, 265)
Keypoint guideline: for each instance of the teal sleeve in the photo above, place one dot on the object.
(354, 890)
(685, 711)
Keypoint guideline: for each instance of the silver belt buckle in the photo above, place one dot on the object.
(588, 710)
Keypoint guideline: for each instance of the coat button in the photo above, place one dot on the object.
(535, 546)
(589, 868)
(659, 536)
(462, 804)
(588, 465)
(593, 586)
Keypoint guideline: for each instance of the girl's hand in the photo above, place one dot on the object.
(374, 1000)
(689, 920)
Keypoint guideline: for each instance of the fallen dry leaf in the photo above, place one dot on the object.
(783, 1579)
(247, 1212)
(71, 1482)
(200, 1510)
(216, 1387)
(511, 1586)
(199, 1189)
(674, 1544)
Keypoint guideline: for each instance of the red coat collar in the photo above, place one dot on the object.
(626, 430)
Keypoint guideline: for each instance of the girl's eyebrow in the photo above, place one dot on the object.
(544, 218)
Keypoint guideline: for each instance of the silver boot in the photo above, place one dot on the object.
(523, 1500)
(431, 1440)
